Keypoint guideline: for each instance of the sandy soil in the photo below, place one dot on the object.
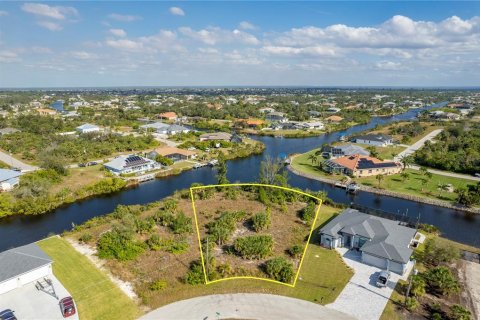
(90, 253)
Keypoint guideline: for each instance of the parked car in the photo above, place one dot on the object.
(91, 163)
(82, 165)
(382, 280)
(67, 307)
(16, 169)
(7, 315)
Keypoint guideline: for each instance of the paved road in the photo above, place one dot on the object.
(417, 145)
(361, 298)
(244, 306)
(448, 174)
(11, 161)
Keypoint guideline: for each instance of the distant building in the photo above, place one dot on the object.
(378, 140)
(276, 117)
(316, 125)
(164, 128)
(168, 116)
(329, 152)
(127, 164)
(266, 110)
(333, 110)
(46, 112)
(173, 153)
(334, 119)
(251, 123)
(389, 104)
(216, 136)
(362, 166)
(87, 128)
(314, 113)
(9, 179)
(383, 243)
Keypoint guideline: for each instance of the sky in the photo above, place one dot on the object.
(239, 43)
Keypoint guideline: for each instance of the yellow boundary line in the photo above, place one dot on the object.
(255, 185)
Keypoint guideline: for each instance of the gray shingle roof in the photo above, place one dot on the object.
(17, 261)
(388, 239)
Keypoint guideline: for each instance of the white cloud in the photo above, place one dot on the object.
(293, 51)
(3, 13)
(118, 32)
(213, 35)
(125, 44)
(83, 55)
(124, 17)
(177, 11)
(388, 65)
(52, 26)
(245, 25)
(8, 56)
(53, 12)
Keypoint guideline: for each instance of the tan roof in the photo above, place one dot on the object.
(216, 136)
(49, 111)
(168, 115)
(351, 162)
(165, 151)
(334, 118)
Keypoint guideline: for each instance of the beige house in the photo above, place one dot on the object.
(362, 166)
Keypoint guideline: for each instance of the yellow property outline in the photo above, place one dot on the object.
(256, 185)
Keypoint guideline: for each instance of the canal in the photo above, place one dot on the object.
(455, 225)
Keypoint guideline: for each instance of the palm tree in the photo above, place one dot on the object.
(379, 177)
(423, 170)
(312, 158)
(443, 187)
(405, 176)
(406, 161)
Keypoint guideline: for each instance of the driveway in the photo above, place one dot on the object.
(29, 303)
(361, 298)
(418, 145)
(244, 306)
(15, 163)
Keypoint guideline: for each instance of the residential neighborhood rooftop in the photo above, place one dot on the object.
(19, 260)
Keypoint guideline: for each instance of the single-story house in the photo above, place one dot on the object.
(276, 117)
(333, 110)
(23, 265)
(312, 125)
(266, 110)
(168, 116)
(389, 104)
(383, 243)
(9, 179)
(8, 130)
(165, 128)
(216, 136)
(362, 166)
(87, 128)
(334, 119)
(314, 113)
(173, 153)
(329, 152)
(378, 140)
(126, 164)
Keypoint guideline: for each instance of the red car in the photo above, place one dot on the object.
(67, 307)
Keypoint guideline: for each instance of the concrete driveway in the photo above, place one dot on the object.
(361, 298)
(11, 161)
(29, 303)
(244, 306)
(417, 145)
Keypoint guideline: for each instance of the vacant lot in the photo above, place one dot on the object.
(321, 279)
(95, 295)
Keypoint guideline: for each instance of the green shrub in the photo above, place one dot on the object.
(86, 237)
(307, 214)
(163, 218)
(436, 253)
(279, 269)
(296, 251)
(225, 269)
(164, 160)
(182, 224)
(119, 245)
(458, 312)
(195, 275)
(441, 280)
(222, 227)
(144, 225)
(158, 285)
(254, 247)
(170, 205)
(261, 221)
(418, 286)
(169, 245)
(411, 304)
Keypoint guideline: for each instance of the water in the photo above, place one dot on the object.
(455, 225)
(58, 105)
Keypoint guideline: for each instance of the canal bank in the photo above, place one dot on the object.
(455, 225)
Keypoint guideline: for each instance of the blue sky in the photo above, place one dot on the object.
(89, 43)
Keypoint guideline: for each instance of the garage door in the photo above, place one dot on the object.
(374, 261)
(8, 285)
(35, 274)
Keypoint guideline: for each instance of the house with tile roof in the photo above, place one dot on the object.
(168, 115)
(358, 165)
(331, 152)
(333, 119)
(176, 154)
(383, 243)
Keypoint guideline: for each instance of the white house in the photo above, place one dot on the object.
(23, 265)
(9, 179)
(276, 117)
(127, 164)
(383, 243)
(164, 128)
(378, 140)
(87, 128)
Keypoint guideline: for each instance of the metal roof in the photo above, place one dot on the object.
(17, 261)
(87, 126)
(375, 137)
(387, 238)
(6, 175)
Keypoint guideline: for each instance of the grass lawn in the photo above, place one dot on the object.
(303, 164)
(386, 130)
(96, 296)
(414, 185)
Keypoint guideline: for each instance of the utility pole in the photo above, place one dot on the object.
(206, 263)
(414, 273)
